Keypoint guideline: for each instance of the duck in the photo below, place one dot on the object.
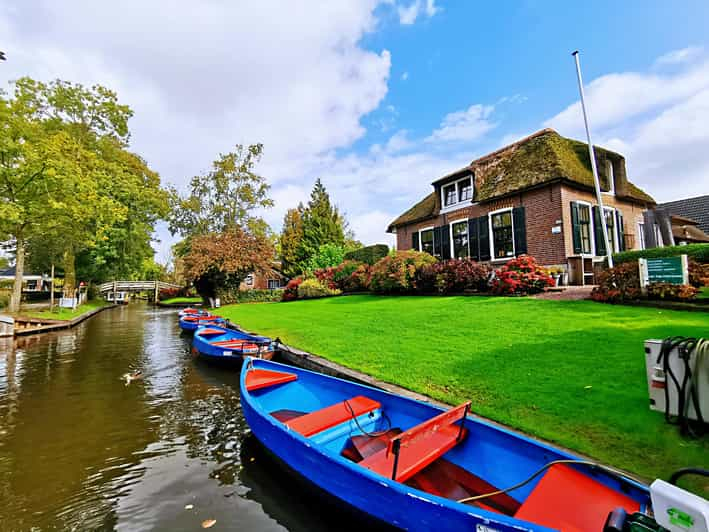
(132, 376)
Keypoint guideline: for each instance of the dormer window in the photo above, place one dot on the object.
(610, 189)
(457, 192)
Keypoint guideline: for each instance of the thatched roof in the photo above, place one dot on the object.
(540, 159)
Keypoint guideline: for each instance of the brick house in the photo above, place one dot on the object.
(271, 279)
(535, 196)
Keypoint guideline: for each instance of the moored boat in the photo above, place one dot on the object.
(418, 467)
(191, 322)
(222, 344)
(192, 312)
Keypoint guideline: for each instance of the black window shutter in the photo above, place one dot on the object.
(437, 242)
(415, 241)
(484, 238)
(445, 242)
(598, 232)
(621, 231)
(520, 228)
(473, 238)
(575, 227)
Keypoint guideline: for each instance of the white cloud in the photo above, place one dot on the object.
(466, 125)
(409, 13)
(660, 122)
(683, 55)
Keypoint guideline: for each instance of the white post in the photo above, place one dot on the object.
(592, 154)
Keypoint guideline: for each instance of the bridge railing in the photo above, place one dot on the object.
(136, 286)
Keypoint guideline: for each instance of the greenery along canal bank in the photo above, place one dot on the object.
(64, 314)
(571, 372)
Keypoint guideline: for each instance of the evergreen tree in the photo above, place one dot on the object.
(322, 222)
(290, 242)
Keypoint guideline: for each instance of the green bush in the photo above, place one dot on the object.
(327, 256)
(368, 254)
(250, 296)
(397, 273)
(311, 288)
(698, 252)
(4, 300)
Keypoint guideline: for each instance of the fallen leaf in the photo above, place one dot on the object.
(209, 523)
(587, 387)
(189, 506)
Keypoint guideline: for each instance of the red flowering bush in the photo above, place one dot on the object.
(290, 293)
(521, 276)
(451, 276)
(396, 273)
(698, 274)
(352, 276)
(674, 292)
(326, 276)
(620, 283)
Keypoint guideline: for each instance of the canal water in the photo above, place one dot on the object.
(80, 449)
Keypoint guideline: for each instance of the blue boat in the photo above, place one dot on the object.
(419, 467)
(222, 344)
(191, 322)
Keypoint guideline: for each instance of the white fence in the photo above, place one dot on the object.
(136, 286)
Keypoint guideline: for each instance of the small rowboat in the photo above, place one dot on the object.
(419, 467)
(217, 343)
(191, 322)
(191, 311)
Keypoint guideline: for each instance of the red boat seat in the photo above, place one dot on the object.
(264, 378)
(420, 445)
(230, 343)
(571, 501)
(330, 416)
(209, 332)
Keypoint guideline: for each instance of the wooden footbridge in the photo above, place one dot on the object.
(137, 286)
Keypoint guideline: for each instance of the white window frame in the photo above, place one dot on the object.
(641, 235)
(591, 228)
(611, 179)
(421, 241)
(249, 280)
(616, 240)
(458, 203)
(492, 239)
(467, 229)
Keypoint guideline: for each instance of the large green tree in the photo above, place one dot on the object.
(290, 242)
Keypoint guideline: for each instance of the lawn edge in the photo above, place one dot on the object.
(56, 325)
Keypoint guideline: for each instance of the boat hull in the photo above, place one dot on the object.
(204, 347)
(391, 502)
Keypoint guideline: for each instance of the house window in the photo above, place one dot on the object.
(449, 195)
(641, 236)
(274, 283)
(611, 178)
(610, 227)
(459, 191)
(502, 235)
(460, 239)
(249, 279)
(585, 227)
(465, 190)
(427, 241)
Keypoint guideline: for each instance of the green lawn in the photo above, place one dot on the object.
(64, 313)
(568, 371)
(182, 300)
(703, 293)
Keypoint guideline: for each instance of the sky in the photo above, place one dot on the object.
(378, 98)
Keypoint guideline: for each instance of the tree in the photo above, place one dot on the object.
(224, 198)
(290, 242)
(221, 261)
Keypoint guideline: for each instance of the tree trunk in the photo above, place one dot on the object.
(69, 273)
(16, 296)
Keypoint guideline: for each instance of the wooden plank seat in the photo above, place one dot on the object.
(412, 450)
(210, 332)
(554, 501)
(264, 378)
(230, 343)
(198, 318)
(328, 417)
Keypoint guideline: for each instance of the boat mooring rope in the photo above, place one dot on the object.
(614, 472)
(370, 434)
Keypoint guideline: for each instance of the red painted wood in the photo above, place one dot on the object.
(571, 501)
(229, 342)
(208, 332)
(418, 454)
(263, 378)
(330, 416)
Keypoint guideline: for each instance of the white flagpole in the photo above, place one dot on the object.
(592, 154)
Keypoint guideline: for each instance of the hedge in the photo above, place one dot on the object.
(368, 254)
(698, 252)
(250, 296)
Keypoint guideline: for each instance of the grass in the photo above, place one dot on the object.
(703, 293)
(181, 300)
(571, 372)
(64, 314)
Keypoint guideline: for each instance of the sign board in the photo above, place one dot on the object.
(673, 270)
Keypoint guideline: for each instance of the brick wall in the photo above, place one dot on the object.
(545, 208)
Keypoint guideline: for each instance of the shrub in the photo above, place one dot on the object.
(290, 293)
(619, 283)
(698, 252)
(327, 255)
(250, 296)
(396, 273)
(327, 277)
(311, 288)
(667, 291)
(368, 254)
(521, 275)
(698, 274)
(454, 275)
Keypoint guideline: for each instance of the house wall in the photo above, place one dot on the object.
(545, 208)
(260, 280)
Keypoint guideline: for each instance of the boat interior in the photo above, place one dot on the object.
(445, 454)
(232, 340)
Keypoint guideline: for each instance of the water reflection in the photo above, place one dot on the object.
(80, 449)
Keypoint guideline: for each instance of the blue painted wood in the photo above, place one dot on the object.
(204, 344)
(191, 326)
(499, 456)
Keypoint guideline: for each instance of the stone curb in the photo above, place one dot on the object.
(57, 325)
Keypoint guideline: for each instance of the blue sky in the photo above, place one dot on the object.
(380, 97)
